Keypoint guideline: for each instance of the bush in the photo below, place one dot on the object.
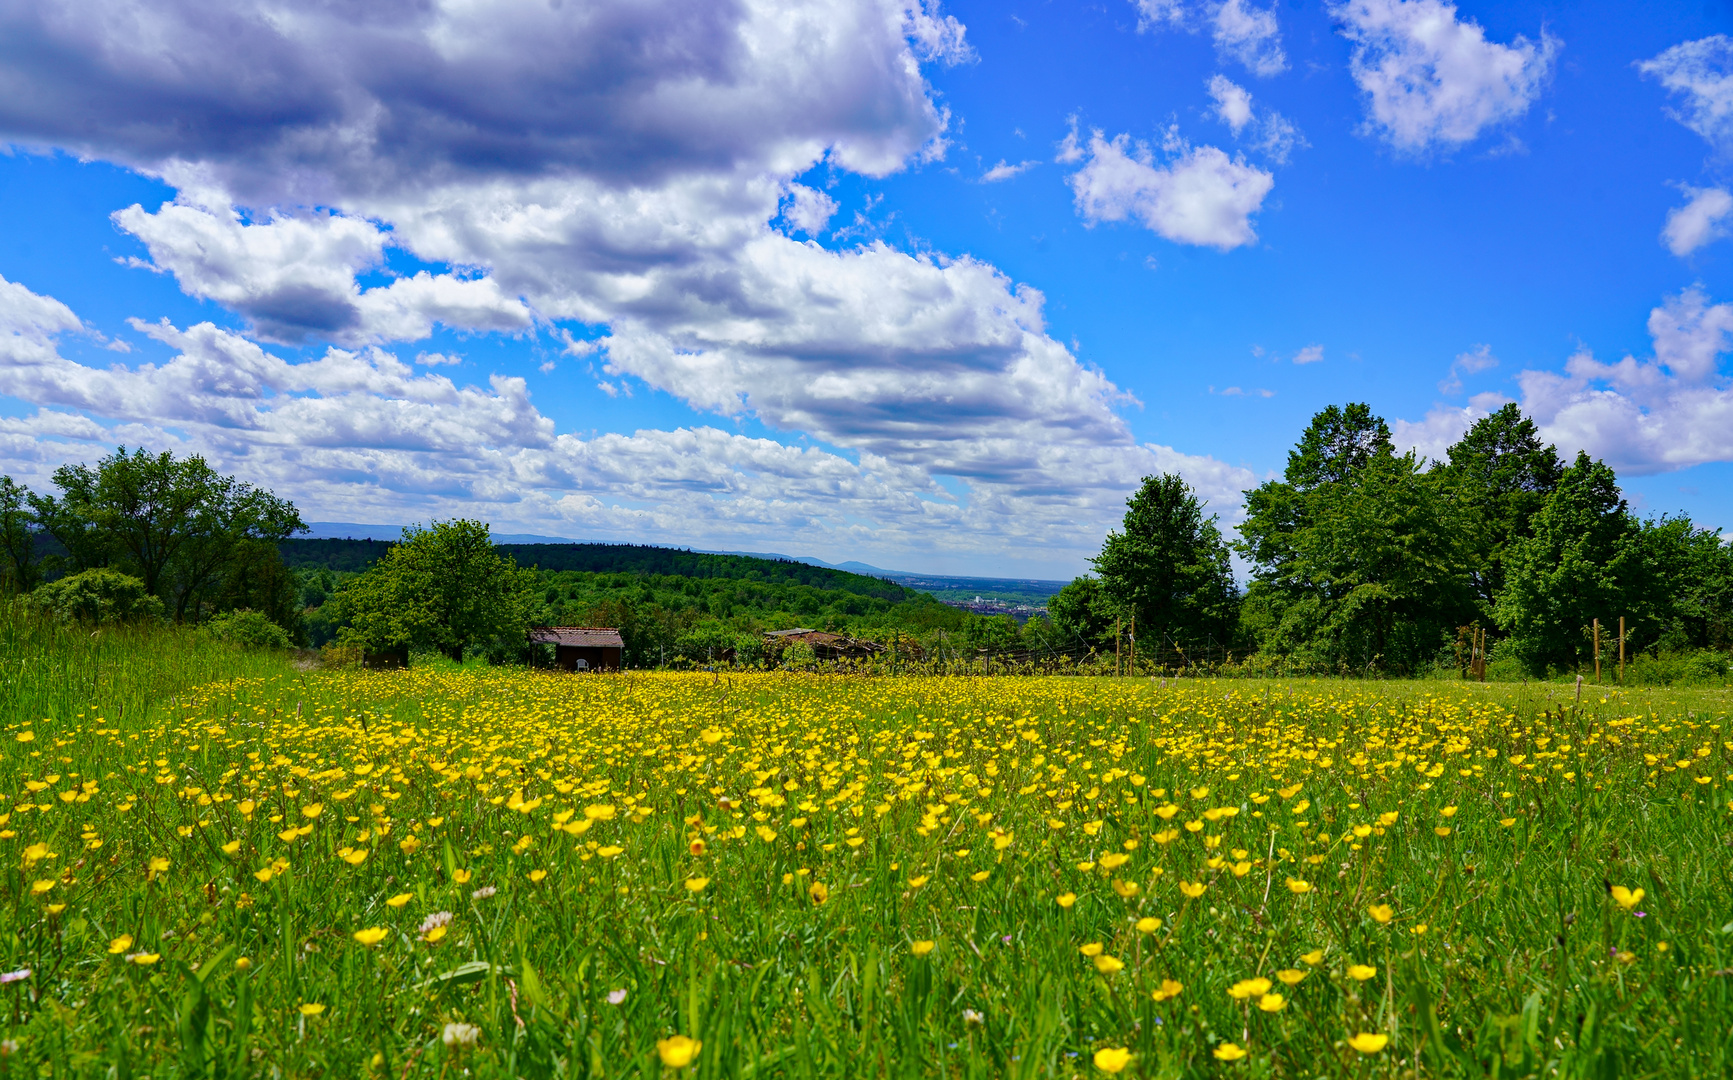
(250, 628)
(97, 596)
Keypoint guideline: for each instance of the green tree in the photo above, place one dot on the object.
(245, 626)
(443, 587)
(1169, 568)
(172, 523)
(18, 537)
(1585, 560)
(1359, 555)
(1505, 475)
(1082, 615)
(257, 580)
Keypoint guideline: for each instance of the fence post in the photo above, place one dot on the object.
(1116, 643)
(1621, 650)
(1597, 652)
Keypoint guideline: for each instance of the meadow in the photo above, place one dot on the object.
(500, 873)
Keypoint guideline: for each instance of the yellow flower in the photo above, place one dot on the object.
(922, 948)
(1442, 830)
(1067, 899)
(1272, 1003)
(311, 1008)
(371, 936)
(1368, 1043)
(537, 875)
(400, 899)
(1361, 972)
(1448, 811)
(678, 1051)
(1381, 912)
(1114, 860)
(356, 857)
(610, 851)
(1107, 965)
(1290, 976)
(120, 945)
(264, 874)
(231, 847)
(1168, 989)
(144, 959)
(1295, 885)
(1507, 822)
(1092, 949)
(1193, 889)
(1247, 988)
(696, 884)
(435, 934)
(158, 865)
(42, 885)
(1148, 925)
(819, 891)
(461, 877)
(1627, 898)
(1229, 1052)
(26, 736)
(766, 833)
(312, 810)
(917, 882)
(1389, 818)
(1112, 1060)
(980, 875)
(1313, 958)
(242, 963)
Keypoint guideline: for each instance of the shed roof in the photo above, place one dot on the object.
(592, 637)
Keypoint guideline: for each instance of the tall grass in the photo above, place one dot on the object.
(50, 669)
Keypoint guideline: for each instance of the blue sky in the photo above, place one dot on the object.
(926, 287)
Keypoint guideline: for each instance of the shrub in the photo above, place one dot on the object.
(250, 628)
(97, 596)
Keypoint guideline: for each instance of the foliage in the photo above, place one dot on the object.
(511, 874)
(98, 597)
(1169, 568)
(444, 587)
(250, 628)
(18, 571)
(1504, 476)
(1084, 611)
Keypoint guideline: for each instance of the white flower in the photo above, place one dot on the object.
(483, 893)
(616, 996)
(460, 1034)
(14, 976)
(970, 1016)
(438, 918)
(8, 1047)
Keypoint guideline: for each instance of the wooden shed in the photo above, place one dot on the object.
(581, 648)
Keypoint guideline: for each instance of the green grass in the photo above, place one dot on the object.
(440, 784)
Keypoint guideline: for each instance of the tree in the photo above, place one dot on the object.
(443, 587)
(18, 536)
(102, 595)
(1169, 569)
(257, 580)
(1082, 614)
(1505, 475)
(1358, 555)
(173, 523)
(1585, 560)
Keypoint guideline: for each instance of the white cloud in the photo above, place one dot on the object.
(1472, 362)
(1003, 171)
(1700, 221)
(1251, 36)
(1311, 354)
(1152, 13)
(1702, 73)
(1433, 80)
(1233, 102)
(1443, 426)
(29, 323)
(1201, 196)
(1645, 416)
(808, 210)
(437, 359)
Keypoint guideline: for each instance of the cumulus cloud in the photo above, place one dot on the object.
(1199, 196)
(1668, 412)
(1472, 362)
(1002, 171)
(808, 210)
(1271, 134)
(1311, 354)
(1443, 426)
(1242, 32)
(1702, 220)
(1233, 102)
(1701, 73)
(1433, 80)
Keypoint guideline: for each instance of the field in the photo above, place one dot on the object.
(496, 873)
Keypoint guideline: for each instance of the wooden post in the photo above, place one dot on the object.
(1480, 662)
(1133, 669)
(1621, 650)
(1597, 652)
(1116, 636)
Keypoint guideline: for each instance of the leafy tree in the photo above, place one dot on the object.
(1585, 560)
(1169, 569)
(173, 523)
(256, 580)
(443, 587)
(1505, 474)
(251, 628)
(17, 536)
(102, 595)
(1358, 555)
(1082, 614)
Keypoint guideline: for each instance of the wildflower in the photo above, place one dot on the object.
(697, 847)
(1627, 898)
(143, 959)
(819, 891)
(1114, 860)
(1296, 886)
(678, 1051)
(435, 921)
(980, 876)
(1361, 972)
(1272, 1003)
(42, 886)
(399, 900)
(456, 1035)
(1448, 811)
(1067, 899)
(922, 948)
(1313, 958)
(1507, 822)
(1091, 949)
(371, 936)
(1368, 1043)
(696, 884)
(242, 963)
(462, 877)
(610, 851)
(1112, 1060)
(1148, 925)
(1168, 989)
(1107, 965)
(231, 847)
(312, 810)
(1125, 889)
(1193, 889)
(616, 996)
(158, 865)
(1247, 988)
(1229, 1052)
(1442, 830)
(483, 893)
(14, 976)
(120, 945)
(917, 882)
(1381, 912)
